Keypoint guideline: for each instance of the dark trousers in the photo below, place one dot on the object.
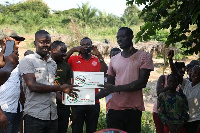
(128, 120)
(14, 119)
(35, 125)
(63, 119)
(192, 127)
(87, 113)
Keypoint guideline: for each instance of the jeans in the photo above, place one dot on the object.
(35, 125)
(14, 119)
(87, 113)
(128, 120)
(63, 119)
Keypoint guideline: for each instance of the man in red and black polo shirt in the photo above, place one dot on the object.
(86, 62)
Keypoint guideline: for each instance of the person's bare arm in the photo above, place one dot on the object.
(11, 63)
(172, 65)
(72, 50)
(22, 95)
(2, 62)
(3, 121)
(133, 86)
(105, 92)
(160, 85)
(42, 88)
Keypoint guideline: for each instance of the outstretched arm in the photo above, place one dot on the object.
(43, 88)
(133, 86)
(172, 65)
(104, 92)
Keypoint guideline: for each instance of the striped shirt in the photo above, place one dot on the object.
(39, 105)
(10, 92)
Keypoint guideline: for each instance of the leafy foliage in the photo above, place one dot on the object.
(85, 14)
(37, 6)
(147, 122)
(131, 16)
(175, 15)
(35, 14)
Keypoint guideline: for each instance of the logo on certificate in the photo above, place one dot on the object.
(80, 80)
(72, 99)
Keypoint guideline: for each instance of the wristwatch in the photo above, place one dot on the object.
(101, 60)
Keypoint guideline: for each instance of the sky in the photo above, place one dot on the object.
(115, 7)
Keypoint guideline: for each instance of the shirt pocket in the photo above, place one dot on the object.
(40, 74)
(51, 74)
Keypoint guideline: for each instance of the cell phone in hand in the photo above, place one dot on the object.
(9, 47)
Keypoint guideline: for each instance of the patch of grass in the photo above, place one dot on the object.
(147, 122)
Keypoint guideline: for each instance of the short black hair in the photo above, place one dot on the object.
(192, 64)
(85, 38)
(128, 30)
(40, 32)
(56, 43)
(114, 49)
(28, 52)
(173, 75)
(195, 67)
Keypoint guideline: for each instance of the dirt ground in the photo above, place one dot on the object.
(153, 76)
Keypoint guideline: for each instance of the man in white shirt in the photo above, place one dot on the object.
(10, 90)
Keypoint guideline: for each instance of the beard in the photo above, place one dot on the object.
(125, 46)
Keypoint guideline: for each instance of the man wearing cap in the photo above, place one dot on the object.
(10, 90)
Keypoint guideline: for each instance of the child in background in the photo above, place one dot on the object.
(162, 87)
(173, 107)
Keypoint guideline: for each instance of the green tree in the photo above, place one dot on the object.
(176, 15)
(106, 20)
(131, 16)
(37, 6)
(85, 14)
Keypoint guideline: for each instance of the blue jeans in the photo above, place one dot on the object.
(14, 119)
(87, 113)
(35, 125)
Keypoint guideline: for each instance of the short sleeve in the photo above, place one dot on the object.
(26, 66)
(147, 61)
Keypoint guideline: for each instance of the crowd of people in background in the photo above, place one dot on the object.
(31, 90)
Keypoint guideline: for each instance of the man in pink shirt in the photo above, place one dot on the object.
(128, 73)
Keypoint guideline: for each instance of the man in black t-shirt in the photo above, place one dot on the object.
(63, 76)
